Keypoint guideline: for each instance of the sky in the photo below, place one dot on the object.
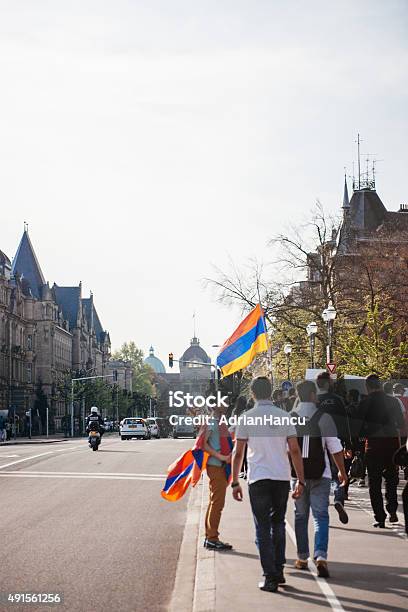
(147, 142)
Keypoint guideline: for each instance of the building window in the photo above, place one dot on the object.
(29, 342)
(29, 373)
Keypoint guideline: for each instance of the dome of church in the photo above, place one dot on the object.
(195, 353)
(154, 362)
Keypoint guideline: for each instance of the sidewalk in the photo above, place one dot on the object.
(369, 569)
(36, 440)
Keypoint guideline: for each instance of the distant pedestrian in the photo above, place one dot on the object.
(8, 430)
(268, 478)
(2, 428)
(357, 443)
(277, 398)
(381, 420)
(316, 444)
(332, 404)
(239, 408)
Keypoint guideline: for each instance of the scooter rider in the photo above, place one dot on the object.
(94, 422)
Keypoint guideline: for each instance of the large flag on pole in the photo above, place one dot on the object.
(247, 340)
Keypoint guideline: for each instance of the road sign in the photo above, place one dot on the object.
(331, 367)
(286, 385)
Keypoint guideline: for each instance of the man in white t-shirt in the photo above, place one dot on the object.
(268, 477)
(317, 492)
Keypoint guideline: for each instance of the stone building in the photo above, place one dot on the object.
(194, 376)
(123, 376)
(47, 335)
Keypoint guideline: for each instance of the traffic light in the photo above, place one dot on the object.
(170, 360)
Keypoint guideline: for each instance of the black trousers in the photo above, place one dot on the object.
(377, 469)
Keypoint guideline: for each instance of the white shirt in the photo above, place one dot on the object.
(326, 424)
(267, 444)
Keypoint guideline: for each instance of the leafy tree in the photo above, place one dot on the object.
(143, 375)
(376, 349)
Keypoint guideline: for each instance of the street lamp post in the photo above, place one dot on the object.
(287, 349)
(311, 331)
(328, 316)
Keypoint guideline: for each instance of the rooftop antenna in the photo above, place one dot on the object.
(358, 161)
(194, 324)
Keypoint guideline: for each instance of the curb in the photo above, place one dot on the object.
(34, 442)
(183, 592)
(205, 584)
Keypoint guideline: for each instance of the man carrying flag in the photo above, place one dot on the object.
(218, 445)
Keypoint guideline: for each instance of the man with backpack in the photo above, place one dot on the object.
(333, 405)
(317, 438)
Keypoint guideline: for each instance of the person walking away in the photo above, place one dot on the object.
(218, 445)
(332, 404)
(357, 444)
(239, 408)
(2, 429)
(319, 441)
(268, 478)
(277, 398)
(399, 392)
(381, 421)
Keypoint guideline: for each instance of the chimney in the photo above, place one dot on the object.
(403, 208)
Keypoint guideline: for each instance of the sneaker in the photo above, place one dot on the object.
(393, 518)
(217, 545)
(379, 524)
(361, 482)
(343, 516)
(301, 564)
(269, 584)
(321, 566)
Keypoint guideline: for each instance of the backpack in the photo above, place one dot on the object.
(310, 442)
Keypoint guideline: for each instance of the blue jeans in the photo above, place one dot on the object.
(316, 496)
(269, 499)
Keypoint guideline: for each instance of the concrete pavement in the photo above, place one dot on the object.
(369, 568)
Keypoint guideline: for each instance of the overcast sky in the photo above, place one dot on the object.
(144, 141)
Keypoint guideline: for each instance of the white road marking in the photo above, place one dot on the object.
(8, 456)
(323, 585)
(79, 476)
(25, 459)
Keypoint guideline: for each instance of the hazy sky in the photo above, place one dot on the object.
(145, 141)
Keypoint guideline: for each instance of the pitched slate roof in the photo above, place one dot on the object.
(367, 212)
(67, 299)
(26, 265)
(87, 303)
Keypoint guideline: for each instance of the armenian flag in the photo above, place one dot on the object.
(186, 470)
(247, 340)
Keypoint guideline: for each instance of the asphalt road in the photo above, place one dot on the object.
(91, 526)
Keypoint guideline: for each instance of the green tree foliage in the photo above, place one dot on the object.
(375, 349)
(143, 375)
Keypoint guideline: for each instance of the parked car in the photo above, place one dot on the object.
(184, 431)
(153, 426)
(134, 427)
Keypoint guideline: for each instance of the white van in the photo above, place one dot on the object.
(134, 427)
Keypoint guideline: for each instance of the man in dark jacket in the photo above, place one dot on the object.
(332, 404)
(94, 422)
(381, 419)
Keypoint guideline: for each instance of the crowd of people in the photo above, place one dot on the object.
(361, 439)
